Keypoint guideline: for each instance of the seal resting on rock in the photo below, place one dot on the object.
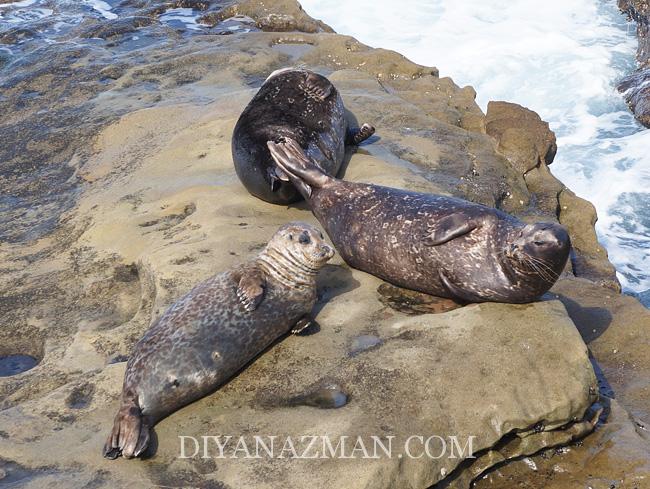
(430, 243)
(297, 104)
(206, 337)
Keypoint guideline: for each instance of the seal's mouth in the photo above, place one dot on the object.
(511, 251)
(322, 254)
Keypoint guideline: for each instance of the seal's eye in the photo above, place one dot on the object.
(290, 236)
(539, 243)
(304, 239)
(321, 236)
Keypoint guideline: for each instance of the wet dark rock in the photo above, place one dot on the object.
(80, 397)
(413, 303)
(118, 27)
(636, 86)
(16, 34)
(636, 90)
(330, 396)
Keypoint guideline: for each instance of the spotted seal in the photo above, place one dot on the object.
(430, 243)
(216, 329)
(297, 104)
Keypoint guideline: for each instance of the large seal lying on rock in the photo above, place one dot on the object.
(215, 330)
(434, 244)
(297, 104)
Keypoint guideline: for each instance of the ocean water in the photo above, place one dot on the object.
(560, 58)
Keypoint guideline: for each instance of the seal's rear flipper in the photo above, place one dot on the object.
(358, 135)
(276, 177)
(302, 171)
(316, 87)
(130, 435)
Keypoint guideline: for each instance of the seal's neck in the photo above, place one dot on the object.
(287, 267)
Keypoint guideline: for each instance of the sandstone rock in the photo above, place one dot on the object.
(615, 328)
(590, 258)
(143, 202)
(522, 136)
(446, 375)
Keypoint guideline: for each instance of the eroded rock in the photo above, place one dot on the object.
(145, 203)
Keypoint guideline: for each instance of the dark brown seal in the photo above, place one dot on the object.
(297, 104)
(216, 329)
(434, 244)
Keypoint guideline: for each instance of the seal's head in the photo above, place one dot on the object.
(299, 249)
(542, 249)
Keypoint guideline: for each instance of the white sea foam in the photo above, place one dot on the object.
(102, 7)
(22, 14)
(186, 16)
(562, 59)
(24, 3)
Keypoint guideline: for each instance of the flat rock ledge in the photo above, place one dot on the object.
(518, 379)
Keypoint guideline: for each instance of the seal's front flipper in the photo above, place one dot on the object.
(130, 434)
(302, 171)
(456, 292)
(250, 289)
(358, 135)
(448, 228)
(302, 324)
(316, 87)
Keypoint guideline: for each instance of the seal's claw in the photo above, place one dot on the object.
(359, 135)
(301, 325)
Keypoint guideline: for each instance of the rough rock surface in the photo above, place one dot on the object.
(636, 86)
(123, 196)
(615, 328)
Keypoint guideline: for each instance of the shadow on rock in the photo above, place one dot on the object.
(333, 280)
(591, 322)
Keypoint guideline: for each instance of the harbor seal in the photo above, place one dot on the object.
(298, 104)
(439, 245)
(206, 337)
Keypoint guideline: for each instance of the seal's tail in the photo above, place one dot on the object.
(302, 171)
(130, 435)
